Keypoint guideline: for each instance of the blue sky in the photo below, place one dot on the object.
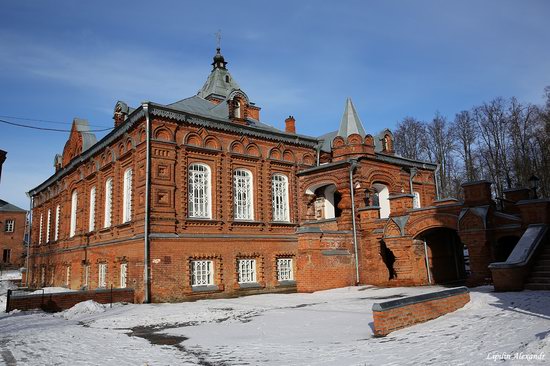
(66, 59)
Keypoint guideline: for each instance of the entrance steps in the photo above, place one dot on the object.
(539, 278)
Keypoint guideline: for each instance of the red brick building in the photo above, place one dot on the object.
(198, 198)
(12, 234)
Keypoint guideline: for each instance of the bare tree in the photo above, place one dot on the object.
(409, 138)
(464, 133)
(439, 149)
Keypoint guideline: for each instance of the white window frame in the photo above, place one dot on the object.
(123, 275)
(243, 193)
(202, 273)
(48, 222)
(68, 276)
(91, 221)
(285, 269)
(57, 215)
(416, 200)
(40, 230)
(280, 204)
(247, 270)
(199, 191)
(10, 226)
(102, 275)
(127, 196)
(108, 203)
(74, 207)
(86, 275)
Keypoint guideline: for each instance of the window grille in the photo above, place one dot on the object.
(74, 203)
(57, 214)
(280, 198)
(102, 275)
(127, 196)
(108, 202)
(48, 221)
(247, 270)
(243, 205)
(284, 269)
(123, 275)
(91, 223)
(199, 191)
(202, 273)
(10, 226)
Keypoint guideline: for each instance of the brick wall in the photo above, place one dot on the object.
(60, 301)
(396, 314)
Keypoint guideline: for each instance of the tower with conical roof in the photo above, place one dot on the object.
(351, 139)
(221, 87)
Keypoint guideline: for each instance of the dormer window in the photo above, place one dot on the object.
(237, 109)
(226, 78)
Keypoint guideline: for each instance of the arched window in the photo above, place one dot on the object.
(74, 204)
(91, 222)
(57, 215)
(237, 109)
(108, 202)
(280, 198)
(242, 190)
(416, 200)
(383, 199)
(48, 223)
(127, 196)
(199, 191)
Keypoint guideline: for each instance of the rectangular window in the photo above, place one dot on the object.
(102, 282)
(48, 222)
(247, 271)
(91, 222)
(279, 192)
(56, 231)
(127, 196)
(108, 202)
(284, 269)
(6, 256)
(242, 190)
(202, 273)
(123, 275)
(74, 206)
(10, 226)
(68, 277)
(199, 191)
(40, 231)
(86, 275)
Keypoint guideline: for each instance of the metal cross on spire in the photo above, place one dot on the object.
(218, 35)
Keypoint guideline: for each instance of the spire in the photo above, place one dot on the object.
(350, 123)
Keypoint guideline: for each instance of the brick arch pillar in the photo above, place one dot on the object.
(479, 251)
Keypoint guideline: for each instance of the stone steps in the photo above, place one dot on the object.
(539, 278)
(537, 286)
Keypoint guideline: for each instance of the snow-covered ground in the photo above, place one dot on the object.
(324, 328)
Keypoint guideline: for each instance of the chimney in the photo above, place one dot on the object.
(290, 125)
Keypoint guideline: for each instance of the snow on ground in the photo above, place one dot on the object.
(324, 328)
(10, 274)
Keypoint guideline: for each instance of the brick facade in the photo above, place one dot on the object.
(12, 235)
(346, 193)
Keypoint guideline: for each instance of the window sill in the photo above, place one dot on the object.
(208, 288)
(249, 285)
(282, 223)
